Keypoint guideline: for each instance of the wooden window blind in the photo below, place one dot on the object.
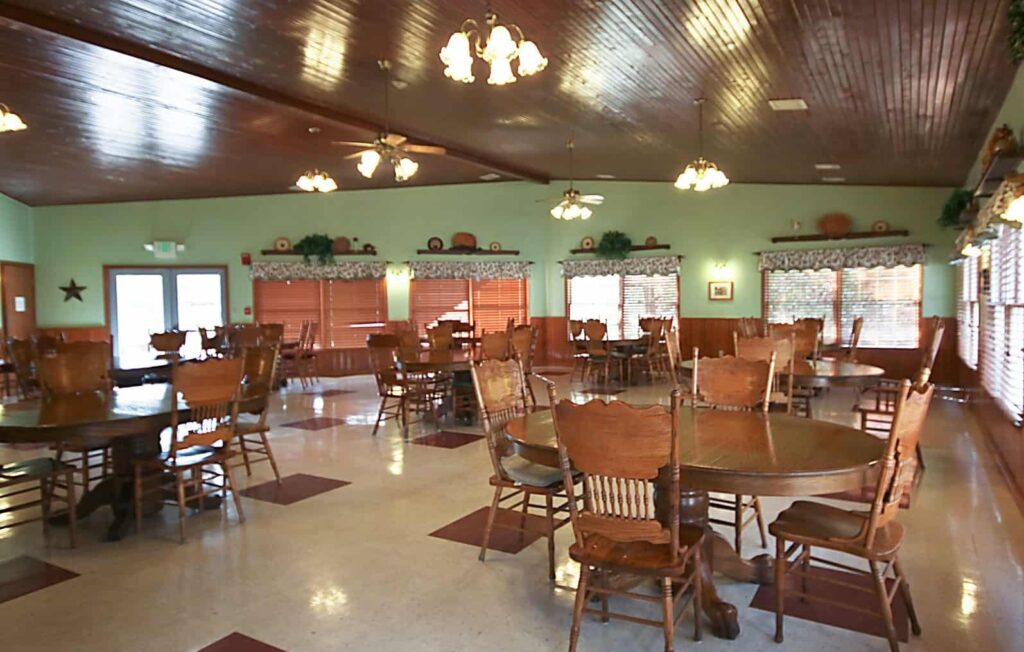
(889, 299)
(353, 310)
(1002, 324)
(495, 301)
(487, 303)
(968, 313)
(800, 294)
(287, 302)
(647, 296)
(434, 299)
(621, 301)
(345, 311)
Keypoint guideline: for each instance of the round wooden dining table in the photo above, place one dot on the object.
(825, 372)
(746, 453)
(130, 419)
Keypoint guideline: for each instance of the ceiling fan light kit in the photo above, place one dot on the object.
(573, 203)
(495, 44)
(10, 121)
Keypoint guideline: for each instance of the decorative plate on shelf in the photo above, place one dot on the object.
(651, 241)
(881, 226)
(495, 246)
(282, 244)
(435, 244)
(587, 243)
(370, 249)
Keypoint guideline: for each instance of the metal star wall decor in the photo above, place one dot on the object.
(72, 291)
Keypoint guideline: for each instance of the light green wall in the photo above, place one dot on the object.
(727, 225)
(15, 231)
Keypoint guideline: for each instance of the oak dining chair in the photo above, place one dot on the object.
(495, 346)
(251, 433)
(806, 338)
(20, 479)
(762, 348)
(168, 344)
(623, 455)
(501, 394)
(524, 345)
(577, 339)
(199, 442)
(738, 384)
(23, 359)
(403, 392)
(80, 368)
(850, 352)
(873, 536)
(598, 352)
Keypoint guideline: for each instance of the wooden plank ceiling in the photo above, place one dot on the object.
(154, 99)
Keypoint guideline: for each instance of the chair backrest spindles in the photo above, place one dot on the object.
(210, 390)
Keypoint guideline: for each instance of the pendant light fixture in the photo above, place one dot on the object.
(573, 205)
(10, 121)
(499, 49)
(316, 180)
(701, 174)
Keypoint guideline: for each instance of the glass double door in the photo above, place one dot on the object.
(158, 299)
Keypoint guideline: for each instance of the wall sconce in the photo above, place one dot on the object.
(721, 271)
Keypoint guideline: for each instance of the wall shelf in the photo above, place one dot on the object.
(855, 235)
(1001, 166)
(633, 248)
(467, 252)
(292, 252)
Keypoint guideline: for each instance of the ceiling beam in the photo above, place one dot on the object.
(84, 34)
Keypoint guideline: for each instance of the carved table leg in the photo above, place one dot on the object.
(694, 511)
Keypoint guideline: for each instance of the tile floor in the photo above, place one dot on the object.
(356, 568)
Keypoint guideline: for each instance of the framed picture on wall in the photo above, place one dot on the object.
(720, 291)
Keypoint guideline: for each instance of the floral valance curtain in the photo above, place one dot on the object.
(842, 258)
(641, 265)
(260, 271)
(477, 271)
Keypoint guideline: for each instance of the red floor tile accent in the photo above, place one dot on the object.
(293, 488)
(447, 439)
(470, 530)
(23, 575)
(315, 423)
(327, 393)
(827, 614)
(239, 643)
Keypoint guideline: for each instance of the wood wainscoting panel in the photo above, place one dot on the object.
(553, 348)
(342, 362)
(78, 333)
(1007, 441)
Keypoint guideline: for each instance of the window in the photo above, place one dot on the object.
(620, 301)
(346, 311)
(889, 299)
(968, 313)
(1001, 357)
(150, 300)
(488, 303)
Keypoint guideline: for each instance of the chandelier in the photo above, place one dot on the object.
(499, 50)
(10, 121)
(316, 181)
(573, 205)
(701, 174)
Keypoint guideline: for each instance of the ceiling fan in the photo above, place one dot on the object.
(573, 204)
(389, 147)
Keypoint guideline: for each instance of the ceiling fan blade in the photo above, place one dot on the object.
(349, 143)
(357, 154)
(425, 149)
(395, 139)
(596, 200)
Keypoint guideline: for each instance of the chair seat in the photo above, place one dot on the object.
(530, 473)
(820, 525)
(246, 426)
(638, 557)
(186, 457)
(39, 467)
